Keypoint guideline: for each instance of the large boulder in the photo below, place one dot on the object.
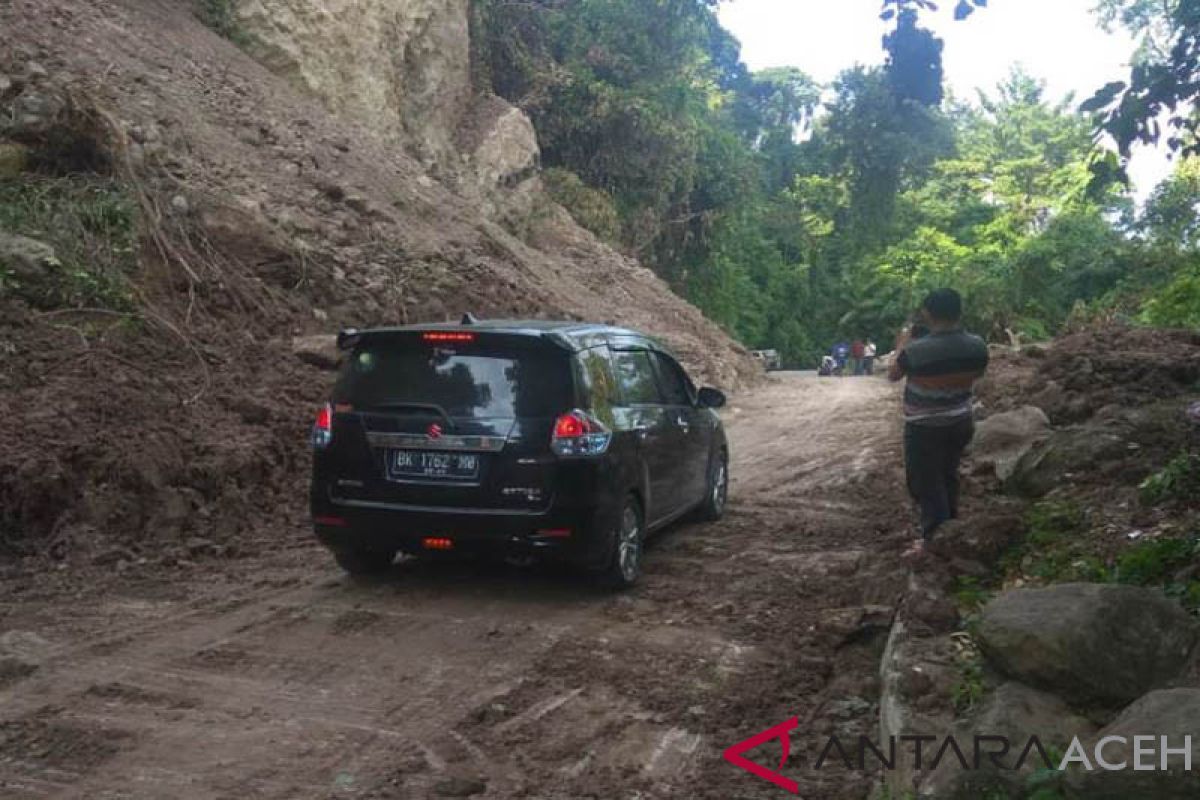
(1171, 713)
(503, 149)
(1002, 439)
(30, 262)
(1016, 712)
(1049, 464)
(401, 69)
(981, 539)
(1088, 642)
(320, 351)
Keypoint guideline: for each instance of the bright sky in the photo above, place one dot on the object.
(1058, 41)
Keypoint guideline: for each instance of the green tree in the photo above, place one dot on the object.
(1171, 216)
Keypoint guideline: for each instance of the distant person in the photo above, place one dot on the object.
(941, 369)
(841, 355)
(857, 351)
(869, 352)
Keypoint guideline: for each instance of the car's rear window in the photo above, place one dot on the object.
(463, 380)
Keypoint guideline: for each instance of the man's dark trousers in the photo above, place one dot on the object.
(931, 457)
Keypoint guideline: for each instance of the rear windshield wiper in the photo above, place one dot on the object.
(418, 407)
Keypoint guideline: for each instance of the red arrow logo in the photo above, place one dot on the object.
(734, 754)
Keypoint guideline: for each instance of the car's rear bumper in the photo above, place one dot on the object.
(576, 534)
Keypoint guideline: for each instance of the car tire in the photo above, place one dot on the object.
(628, 539)
(364, 562)
(716, 492)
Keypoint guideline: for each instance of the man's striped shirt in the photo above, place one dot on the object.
(941, 369)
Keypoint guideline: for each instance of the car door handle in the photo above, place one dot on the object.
(683, 424)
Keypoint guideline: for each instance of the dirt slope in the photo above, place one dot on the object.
(179, 429)
(277, 677)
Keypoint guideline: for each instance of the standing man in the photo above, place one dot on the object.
(856, 357)
(941, 369)
(841, 354)
(869, 358)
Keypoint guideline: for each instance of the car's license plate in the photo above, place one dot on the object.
(432, 464)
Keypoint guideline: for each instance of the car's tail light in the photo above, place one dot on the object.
(322, 431)
(437, 543)
(447, 336)
(579, 434)
(554, 533)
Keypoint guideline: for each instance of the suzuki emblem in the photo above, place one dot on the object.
(435, 431)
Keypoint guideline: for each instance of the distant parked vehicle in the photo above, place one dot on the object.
(768, 358)
(514, 438)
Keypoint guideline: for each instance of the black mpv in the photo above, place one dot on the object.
(514, 438)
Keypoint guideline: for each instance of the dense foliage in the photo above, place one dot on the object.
(796, 214)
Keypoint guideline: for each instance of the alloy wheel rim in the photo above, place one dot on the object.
(720, 486)
(630, 545)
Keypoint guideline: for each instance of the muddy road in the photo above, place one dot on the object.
(278, 677)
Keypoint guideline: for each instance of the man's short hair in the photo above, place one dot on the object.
(944, 305)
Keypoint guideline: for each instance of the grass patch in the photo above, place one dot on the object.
(1155, 561)
(969, 687)
(1053, 551)
(969, 594)
(91, 222)
(221, 16)
(1178, 480)
(1051, 522)
(591, 208)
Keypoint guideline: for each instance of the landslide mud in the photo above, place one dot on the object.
(275, 676)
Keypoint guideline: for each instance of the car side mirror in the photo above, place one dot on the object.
(711, 398)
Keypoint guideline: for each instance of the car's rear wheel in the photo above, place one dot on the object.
(628, 539)
(364, 562)
(717, 491)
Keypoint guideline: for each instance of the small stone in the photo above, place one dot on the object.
(198, 546)
(35, 70)
(915, 683)
(13, 159)
(28, 259)
(331, 189)
(460, 787)
(320, 315)
(180, 205)
(137, 155)
(111, 556)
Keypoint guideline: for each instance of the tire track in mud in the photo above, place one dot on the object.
(277, 678)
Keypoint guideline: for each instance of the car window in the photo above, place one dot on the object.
(672, 380)
(473, 381)
(635, 377)
(595, 375)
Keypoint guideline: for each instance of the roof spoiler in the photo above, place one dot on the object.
(347, 338)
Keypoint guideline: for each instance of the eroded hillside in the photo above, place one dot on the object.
(177, 212)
